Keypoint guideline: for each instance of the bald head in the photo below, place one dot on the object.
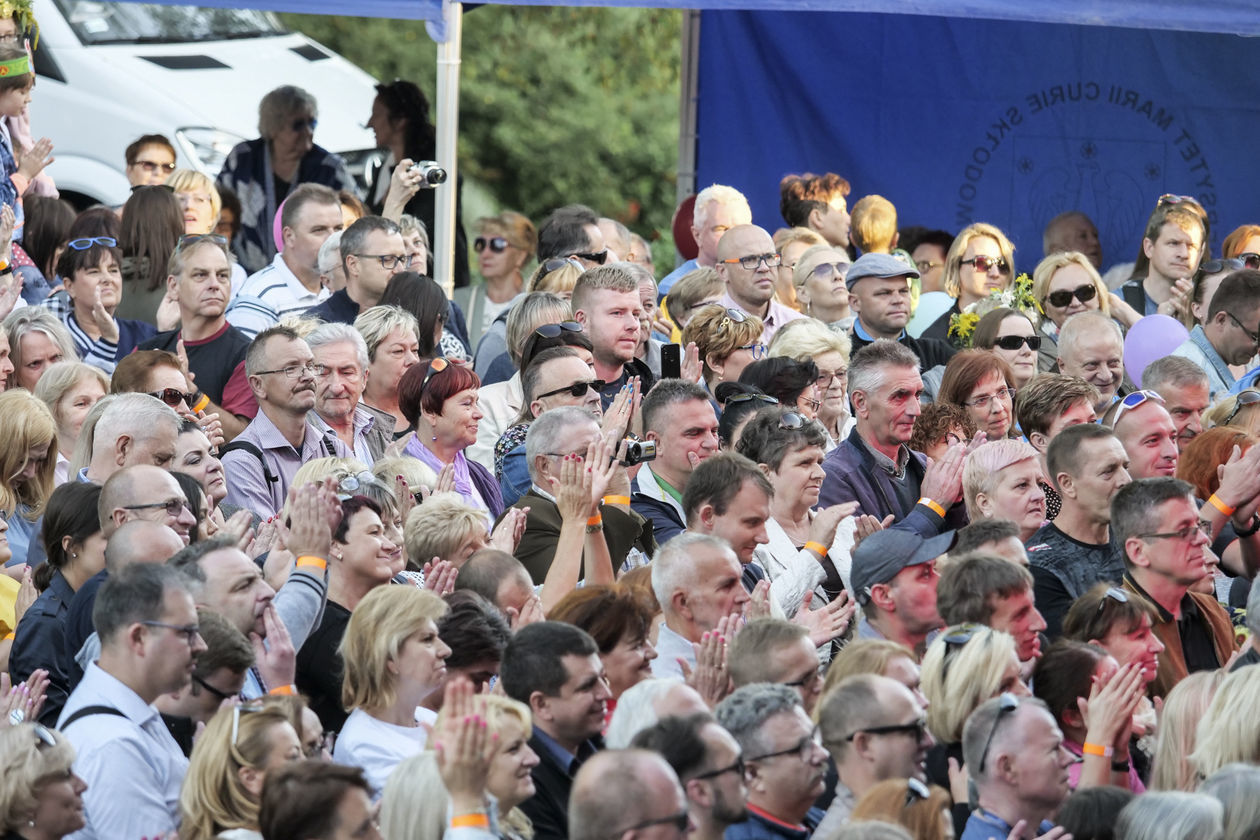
(144, 492)
(742, 240)
(647, 790)
(141, 541)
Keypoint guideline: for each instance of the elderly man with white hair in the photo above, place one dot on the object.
(331, 271)
(718, 208)
(132, 429)
(341, 363)
(698, 581)
(1091, 347)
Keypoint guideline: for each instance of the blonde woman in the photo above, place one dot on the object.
(1184, 707)
(1230, 730)
(808, 339)
(980, 261)
(40, 795)
(964, 666)
(416, 805)
(1067, 283)
(393, 343)
(791, 243)
(728, 341)
(227, 768)
(37, 340)
(70, 389)
(393, 659)
(503, 245)
(28, 448)
(693, 290)
(444, 528)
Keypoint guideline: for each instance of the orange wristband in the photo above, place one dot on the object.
(818, 548)
(470, 821)
(616, 500)
(597, 519)
(1215, 501)
(10, 636)
(311, 560)
(201, 403)
(283, 690)
(933, 506)
(1097, 749)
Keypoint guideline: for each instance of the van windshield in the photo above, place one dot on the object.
(149, 23)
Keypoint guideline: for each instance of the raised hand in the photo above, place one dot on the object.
(710, 678)
(34, 159)
(440, 575)
(758, 605)
(445, 480)
(823, 529)
(463, 746)
(276, 659)
(827, 622)
(942, 482)
(507, 534)
(103, 320)
(692, 368)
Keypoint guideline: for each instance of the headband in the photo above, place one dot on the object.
(19, 66)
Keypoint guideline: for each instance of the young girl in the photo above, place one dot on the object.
(90, 269)
(17, 78)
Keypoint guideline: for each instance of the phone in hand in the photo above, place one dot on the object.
(671, 361)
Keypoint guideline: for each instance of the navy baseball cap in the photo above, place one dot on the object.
(882, 555)
(878, 265)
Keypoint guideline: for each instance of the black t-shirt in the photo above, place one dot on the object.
(1064, 569)
(319, 667)
(218, 363)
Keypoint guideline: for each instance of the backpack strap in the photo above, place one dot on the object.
(88, 711)
(246, 446)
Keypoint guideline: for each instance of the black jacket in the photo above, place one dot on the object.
(931, 351)
(548, 808)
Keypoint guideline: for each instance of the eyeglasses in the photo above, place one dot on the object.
(190, 239)
(757, 349)
(1063, 297)
(1186, 533)
(327, 741)
(814, 404)
(174, 507)
(173, 397)
(1245, 398)
(190, 632)
(599, 258)
(496, 243)
(790, 421)
(222, 695)
(1216, 266)
(1132, 401)
(577, 390)
(439, 364)
(925, 266)
(293, 371)
(1255, 337)
(554, 330)
(352, 484)
(1113, 594)
(237, 711)
(152, 166)
(809, 679)
(388, 261)
(802, 750)
(88, 241)
(1011, 343)
(916, 791)
(826, 378)
(1007, 703)
(983, 401)
(917, 728)
(737, 767)
(753, 261)
(984, 263)
(680, 821)
(1249, 259)
(743, 398)
(825, 271)
(299, 124)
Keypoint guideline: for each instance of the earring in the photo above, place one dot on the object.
(435, 437)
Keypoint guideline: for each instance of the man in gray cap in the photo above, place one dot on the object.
(894, 580)
(879, 298)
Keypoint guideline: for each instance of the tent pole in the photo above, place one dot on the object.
(448, 59)
(689, 92)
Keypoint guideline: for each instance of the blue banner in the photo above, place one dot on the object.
(957, 120)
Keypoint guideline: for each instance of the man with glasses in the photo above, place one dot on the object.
(709, 766)
(770, 650)
(614, 532)
(625, 793)
(785, 763)
(879, 298)
(372, 251)
(1014, 753)
(1231, 333)
(874, 729)
(717, 209)
(748, 264)
(201, 281)
(572, 231)
(1164, 540)
(1185, 388)
(261, 462)
(290, 285)
(132, 765)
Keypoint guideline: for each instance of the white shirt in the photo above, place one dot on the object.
(670, 647)
(376, 746)
(269, 295)
(132, 765)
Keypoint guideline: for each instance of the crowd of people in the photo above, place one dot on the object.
(841, 529)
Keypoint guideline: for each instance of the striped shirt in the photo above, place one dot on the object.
(269, 295)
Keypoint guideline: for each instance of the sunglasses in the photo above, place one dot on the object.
(1131, 402)
(1014, 342)
(826, 271)
(309, 122)
(154, 166)
(88, 241)
(1248, 260)
(916, 728)
(439, 364)
(1063, 297)
(984, 263)
(916, 791)
(495, 243)
(1169, 198)
(173, 397)
(190, 239)
(743, 398)
(598, 259)
(554, 330)
(352, 484)
(790, 421)
(1113, 594)
(577, 390)
(1007, 703)
(1245, 398)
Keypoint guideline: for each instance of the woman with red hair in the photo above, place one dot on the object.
(439, 399)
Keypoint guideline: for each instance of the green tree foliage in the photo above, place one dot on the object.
(556, 104)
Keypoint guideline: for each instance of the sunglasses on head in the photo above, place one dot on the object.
(439, 364)
(554, 330)
(1113, 594)
(88, 241)
(791, 421)
(1169, 198)
(1132, 401)
(1013, 342)
(173, 397)
(983, 263)
(743, 398)
(1249, 259)
(1245, 398)
(497, 244)
(1063, 297)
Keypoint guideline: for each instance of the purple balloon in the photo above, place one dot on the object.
(1151, 338)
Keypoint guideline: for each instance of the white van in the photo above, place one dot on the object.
(110, 72)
